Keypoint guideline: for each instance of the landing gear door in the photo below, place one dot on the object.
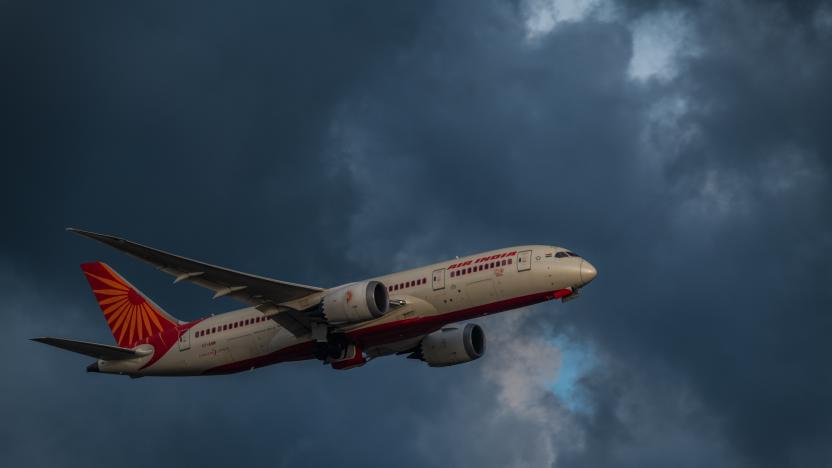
(185, 340)
(438, 279)
(524, 260)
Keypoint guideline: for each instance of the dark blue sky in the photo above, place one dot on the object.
(683, 147)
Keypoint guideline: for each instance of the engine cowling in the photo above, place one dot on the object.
(356, 302)
(453, 344)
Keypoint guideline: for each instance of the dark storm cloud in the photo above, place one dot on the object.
(324, 143)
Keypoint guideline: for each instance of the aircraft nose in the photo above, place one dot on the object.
(588, 272)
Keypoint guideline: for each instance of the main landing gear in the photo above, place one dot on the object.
(339, 352)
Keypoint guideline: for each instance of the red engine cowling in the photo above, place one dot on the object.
(453, 344)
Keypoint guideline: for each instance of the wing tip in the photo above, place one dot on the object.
(47, 340)
(81, 232)
(103, 238)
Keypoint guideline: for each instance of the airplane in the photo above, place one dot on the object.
(420, 313)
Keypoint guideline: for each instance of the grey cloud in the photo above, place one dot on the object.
(324, 143)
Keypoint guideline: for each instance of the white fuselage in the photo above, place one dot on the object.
(427, 297)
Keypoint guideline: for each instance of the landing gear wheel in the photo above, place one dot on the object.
(325, 350)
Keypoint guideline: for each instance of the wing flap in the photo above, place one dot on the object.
(244, 287)
(95, 350)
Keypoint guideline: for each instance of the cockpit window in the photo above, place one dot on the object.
(572, 254)
(561, 255)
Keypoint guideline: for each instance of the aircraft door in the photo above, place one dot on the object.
(524, 260)
(185, 340)
(438, 279)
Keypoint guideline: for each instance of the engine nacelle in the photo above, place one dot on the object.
(453, 344)
(356, 302)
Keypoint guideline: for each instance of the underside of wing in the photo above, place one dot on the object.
(250, 289)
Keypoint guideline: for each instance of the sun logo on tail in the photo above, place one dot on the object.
(130, 315)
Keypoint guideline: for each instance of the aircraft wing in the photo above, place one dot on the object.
(250, 289)
(98, 351)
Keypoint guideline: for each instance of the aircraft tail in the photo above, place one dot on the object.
(130, 314)
(96, 350)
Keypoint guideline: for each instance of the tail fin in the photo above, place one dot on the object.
(130, 315)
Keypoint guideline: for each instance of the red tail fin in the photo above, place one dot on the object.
(130, 315)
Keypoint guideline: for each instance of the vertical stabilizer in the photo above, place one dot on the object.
(131, 315)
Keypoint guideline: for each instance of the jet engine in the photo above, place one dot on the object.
(356, 302)
(453, 344)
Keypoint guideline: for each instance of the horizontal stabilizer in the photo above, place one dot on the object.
(98, 351)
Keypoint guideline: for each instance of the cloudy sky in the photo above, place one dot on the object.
(685, 148)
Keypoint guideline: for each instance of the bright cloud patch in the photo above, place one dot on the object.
(659, 41)
(543, 16)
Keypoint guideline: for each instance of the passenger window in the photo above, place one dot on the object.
(503, 263)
